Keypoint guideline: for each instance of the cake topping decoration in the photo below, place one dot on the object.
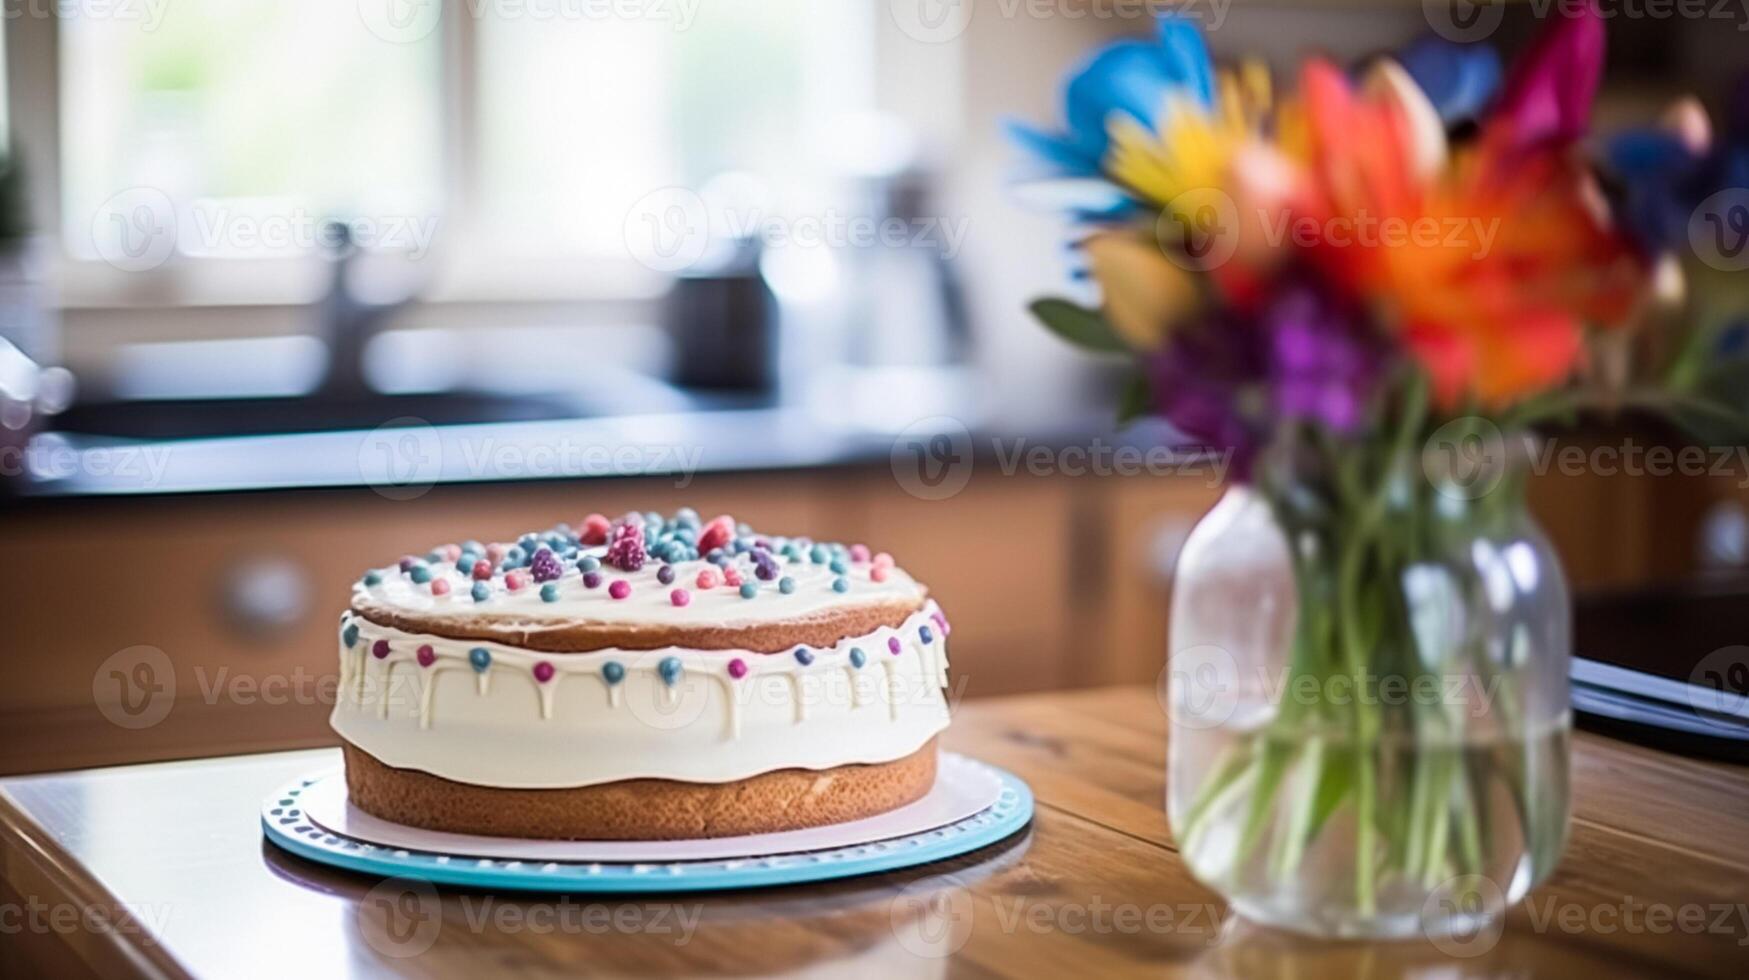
(620, 589)
(426, 655)
(804, 656)
(893, 645)
(543, 671)
(482, 592)
(595, 528)
(749, 590)
(613, 672)
(670, 669)
(549, 592)
(482, 570)
(480, 658)
(592, 580)
(440, 586)
(515, 580)
(707, 578)
(379, 649)
(626, 549)
(545, 566)
(840, 584)
(588, 563)
(737, 668)
(680, 597)
(924, 634)
(786, 585)
(716, 534)
(349, 635)
(665, 574)
(857, 657)
(372, 578)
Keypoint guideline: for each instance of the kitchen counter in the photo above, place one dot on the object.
(1651, 884)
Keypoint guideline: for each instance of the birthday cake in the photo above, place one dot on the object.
(648, 678)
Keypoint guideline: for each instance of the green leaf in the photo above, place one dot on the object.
(1078, 325)
(1135, 401)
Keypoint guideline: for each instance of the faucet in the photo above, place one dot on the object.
(346, 322)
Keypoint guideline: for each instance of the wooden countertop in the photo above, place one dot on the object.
(1654, 883)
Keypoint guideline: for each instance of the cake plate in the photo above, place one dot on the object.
(973, 805)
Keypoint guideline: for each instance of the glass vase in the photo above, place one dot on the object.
(1370, 721)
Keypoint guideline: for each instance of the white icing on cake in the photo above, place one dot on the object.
(502, 726)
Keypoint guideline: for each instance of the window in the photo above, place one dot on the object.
(521, 132)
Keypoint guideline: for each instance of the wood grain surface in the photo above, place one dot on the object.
(160, 870)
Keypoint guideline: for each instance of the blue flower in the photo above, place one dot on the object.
(1459, 79)
(1132, 77)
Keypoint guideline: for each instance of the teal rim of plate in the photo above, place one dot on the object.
(284, 823)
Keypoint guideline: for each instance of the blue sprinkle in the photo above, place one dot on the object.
(481, 658)
(804, 656)
(857, 657)
(686, 515)
(819, 555)
(838, 566)
(749, 590)
(482, 592)
(669, 668)
(925, 635)
(613, 672)
(465, 564)
(786, 585)
(350, 636)
(473, 547)
(549, 592)
(420, 574)
(588, 564)
(373, 578)
(841, 584)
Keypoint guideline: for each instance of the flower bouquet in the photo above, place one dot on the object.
(1366, 289)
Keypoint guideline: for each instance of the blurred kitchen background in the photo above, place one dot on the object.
(288, 287)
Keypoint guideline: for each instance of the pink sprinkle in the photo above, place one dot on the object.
(680, 597)
(595, 528)
(893, 645)
(620, 589)
(452, 551)
(731, 577)
(379, 649)
(883, 560)
(440, 586)
(737, 668)
(482, 570)
(543, 672)
(496, 551)
(427, 656)
(941, 621)
(878, 573)
(516, 580)
(859, 552)
(707, 579)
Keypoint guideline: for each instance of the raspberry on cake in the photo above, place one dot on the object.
(789, 684)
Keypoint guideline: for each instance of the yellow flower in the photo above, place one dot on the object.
(1194, 147)
(1145, 293)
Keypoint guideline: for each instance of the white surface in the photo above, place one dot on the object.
(963, 787)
